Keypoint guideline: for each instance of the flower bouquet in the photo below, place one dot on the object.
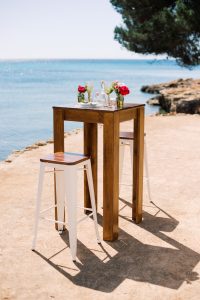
(81, 93)
(121, 90)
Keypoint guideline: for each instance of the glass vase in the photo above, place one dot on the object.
(110, 102)
(81, 97)
(120, 101)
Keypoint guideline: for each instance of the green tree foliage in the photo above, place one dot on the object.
(169, 27)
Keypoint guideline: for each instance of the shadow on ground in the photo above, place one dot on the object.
(134, 260)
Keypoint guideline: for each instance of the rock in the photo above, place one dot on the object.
(11, 157)
(17, 152)
(172, 113)
(50, 141)
(8, 160)
(178, 96)
(34, 146)
(31, 147)
(41, 143)
(154, 101)
(189, 107)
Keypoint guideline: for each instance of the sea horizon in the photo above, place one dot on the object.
(89, 58)
(30, 87)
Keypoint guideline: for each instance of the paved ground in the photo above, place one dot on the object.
(158, 259)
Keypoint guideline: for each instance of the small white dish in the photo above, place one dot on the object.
(89, 104)
(94, 104)
(84, 104)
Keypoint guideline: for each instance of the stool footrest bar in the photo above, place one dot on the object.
(44, 210)
(85, 208)
(54, 221)
(82, 219)
(54, 171)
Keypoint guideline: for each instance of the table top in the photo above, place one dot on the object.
(99, 108)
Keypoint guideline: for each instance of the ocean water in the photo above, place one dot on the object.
(29, 89)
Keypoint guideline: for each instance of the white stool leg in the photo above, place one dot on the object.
(38, 203)
(92, 197)
(71, 199)
(121, 159)
(60, 197)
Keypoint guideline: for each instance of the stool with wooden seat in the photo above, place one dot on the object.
(66, 166)
(127, 139)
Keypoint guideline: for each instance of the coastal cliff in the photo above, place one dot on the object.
(180, 96)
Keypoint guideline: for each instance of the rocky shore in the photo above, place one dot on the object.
(179, 96)
(36, 145)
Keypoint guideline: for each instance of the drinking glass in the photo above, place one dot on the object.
(89, 90)
(108, 91)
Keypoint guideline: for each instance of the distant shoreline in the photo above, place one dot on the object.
(36, 145)
(82, 59)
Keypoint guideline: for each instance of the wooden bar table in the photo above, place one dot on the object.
(110, 118)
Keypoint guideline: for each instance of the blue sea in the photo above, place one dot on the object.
(29, 89)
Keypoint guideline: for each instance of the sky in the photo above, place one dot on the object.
(60, 29)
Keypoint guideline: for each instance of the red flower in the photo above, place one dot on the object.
(81, 89)
(123, 90)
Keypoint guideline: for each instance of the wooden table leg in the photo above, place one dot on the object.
(110, 176)
(58, 130)
(58, 133)
(90, 149)
(138, 157)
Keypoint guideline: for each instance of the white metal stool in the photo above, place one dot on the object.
(127, 139)
(66, 165)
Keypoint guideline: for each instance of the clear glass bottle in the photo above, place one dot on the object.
(103, 93)
(96, 97)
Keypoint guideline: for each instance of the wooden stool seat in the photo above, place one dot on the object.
(66, 158)
(126, 135)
